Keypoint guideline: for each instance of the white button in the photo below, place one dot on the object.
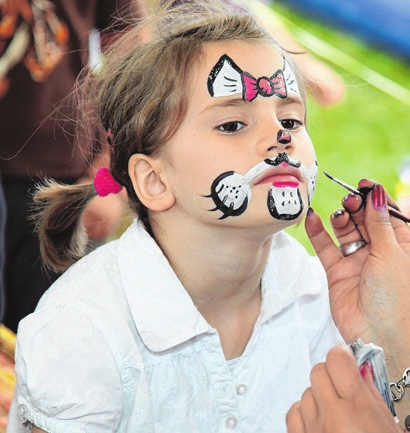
(241, 389)
(231, 422)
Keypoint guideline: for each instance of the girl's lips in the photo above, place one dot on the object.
(281, 176)
(281, 181)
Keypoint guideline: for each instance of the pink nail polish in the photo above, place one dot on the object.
(378, 197)
(365, 369)
(362, 182)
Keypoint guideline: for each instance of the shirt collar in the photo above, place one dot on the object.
(163, 311)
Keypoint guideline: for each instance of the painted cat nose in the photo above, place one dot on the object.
(283, 137)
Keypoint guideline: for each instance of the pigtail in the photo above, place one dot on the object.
(57, 216)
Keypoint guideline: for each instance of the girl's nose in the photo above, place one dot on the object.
(283, 140)
(283, 137)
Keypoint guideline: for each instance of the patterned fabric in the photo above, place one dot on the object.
(53, 41)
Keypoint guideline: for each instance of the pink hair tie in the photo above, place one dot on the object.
(105, 184)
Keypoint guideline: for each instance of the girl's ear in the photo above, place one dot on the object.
(152, 189)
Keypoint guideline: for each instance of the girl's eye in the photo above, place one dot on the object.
(231, 127)
(290, 123)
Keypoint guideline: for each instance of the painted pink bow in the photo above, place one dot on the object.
(264, 86)
(105, 184)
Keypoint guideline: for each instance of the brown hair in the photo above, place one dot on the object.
(139, 95)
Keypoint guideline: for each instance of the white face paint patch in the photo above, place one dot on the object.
(285, 203)
(227, 78)
(311, 175)
(290, 78)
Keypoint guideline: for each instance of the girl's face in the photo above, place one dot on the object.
(242, 155)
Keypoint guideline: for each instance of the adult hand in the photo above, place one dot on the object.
(340, 400)
(369, 290)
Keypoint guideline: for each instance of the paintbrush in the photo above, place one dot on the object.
(363, 193)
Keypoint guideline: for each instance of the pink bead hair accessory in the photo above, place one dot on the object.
(110, 136)
(105, 184)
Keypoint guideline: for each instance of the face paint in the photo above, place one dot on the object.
(290, 78)
(264, 86)
(283, 137)
(227, 78)
(231, 192)
(285, 203)
(311, 176)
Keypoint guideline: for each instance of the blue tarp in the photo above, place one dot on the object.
(383, 23)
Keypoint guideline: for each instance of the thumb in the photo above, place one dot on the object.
(377, 220)
(367, 373)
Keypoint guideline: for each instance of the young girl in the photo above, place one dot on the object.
(204, 316)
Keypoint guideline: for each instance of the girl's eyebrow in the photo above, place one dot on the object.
(232, 102)
(292, 99)
(238, 101)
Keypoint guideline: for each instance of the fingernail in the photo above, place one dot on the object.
(310, 211)
(337, 214)
(349, 198)
(365, 369)
(361, 182)
(378, 197)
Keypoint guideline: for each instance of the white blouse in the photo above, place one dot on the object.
(116, 345)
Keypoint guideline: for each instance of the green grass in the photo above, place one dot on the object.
(368, 134)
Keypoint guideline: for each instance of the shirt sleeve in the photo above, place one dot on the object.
(68, 380)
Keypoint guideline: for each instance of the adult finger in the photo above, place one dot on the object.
(355, 205)
(321, 241)
(309, 410)
(380, 229)
(323, 389)
(343, 372)
(294, 422)
(396, 223)
(366, 183)
(344, 228)
(367, 373)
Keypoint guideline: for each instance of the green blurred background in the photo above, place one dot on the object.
(368, 134)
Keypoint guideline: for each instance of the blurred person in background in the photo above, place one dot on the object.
(43, 47)
(2, 232)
